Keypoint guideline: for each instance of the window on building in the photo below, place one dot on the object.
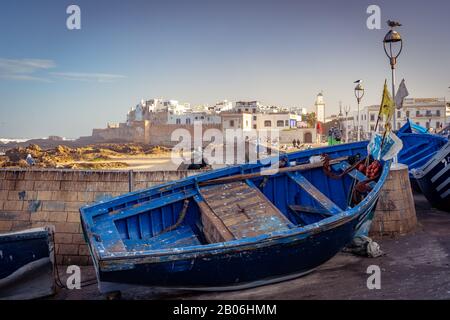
(178, 121)
(407, 114)
(428, 113)
(372, 127)
(286, 123)
(399, 114)
(280, 123)
(427, 125)
(202, 117)
(267, 123)
(254, 118)
(417, 113)
(372, 117)
(196, 118)
(231, 123)
(188, 121)
(254, 126)
(438, 113)
(246, 109)
(254, 110)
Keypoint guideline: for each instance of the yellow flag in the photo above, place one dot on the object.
(387, 103)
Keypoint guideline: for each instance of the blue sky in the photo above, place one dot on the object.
(62, 82)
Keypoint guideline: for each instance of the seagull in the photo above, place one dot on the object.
(358, 81)
(393, 24)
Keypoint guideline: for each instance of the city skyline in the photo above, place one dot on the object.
(55, 81)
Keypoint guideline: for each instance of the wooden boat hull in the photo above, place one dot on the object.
(113, 230)
(434, 179)
(26, 264)
(238, 267)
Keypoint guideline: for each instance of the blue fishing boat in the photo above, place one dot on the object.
(418, 148)
(433, 179)
(233, 228)
(26, 264)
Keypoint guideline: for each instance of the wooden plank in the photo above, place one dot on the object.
(324, 201)
(308, 209)
(269, 172)
(209, 218)
(241, 209)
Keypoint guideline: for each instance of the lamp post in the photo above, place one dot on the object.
(392, 40)
(359, 94)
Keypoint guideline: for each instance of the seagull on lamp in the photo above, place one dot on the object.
(393, 24)
(358, 81)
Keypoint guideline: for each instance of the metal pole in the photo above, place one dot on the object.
(394, 127)
(359, 125)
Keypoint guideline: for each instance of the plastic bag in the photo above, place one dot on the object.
(391, 146)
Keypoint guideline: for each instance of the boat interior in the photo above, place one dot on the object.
(419, 148)
(224, 205)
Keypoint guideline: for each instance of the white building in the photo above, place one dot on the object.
(431, 113)
(278, 120)
(190, 118)
(248, 106)
(221, 106)
(236, 121)
(320, 108)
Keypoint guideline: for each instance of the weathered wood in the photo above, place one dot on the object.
(218, 234)
(395, 213)
(237, 210)
(324, 201)
(269, 172)
(308, 209)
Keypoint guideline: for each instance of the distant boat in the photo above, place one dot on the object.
(26, 264)
(418, 148)
(231, 228)
(427, 156)
(434, 179)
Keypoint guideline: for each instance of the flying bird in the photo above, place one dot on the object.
(393, 24)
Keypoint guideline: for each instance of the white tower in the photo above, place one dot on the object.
(320, 108)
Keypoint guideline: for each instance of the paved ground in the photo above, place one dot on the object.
(416, 266)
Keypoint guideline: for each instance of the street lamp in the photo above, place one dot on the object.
(393, 46)
(359, 94)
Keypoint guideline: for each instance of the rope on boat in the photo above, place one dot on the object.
(372, 172)
(180, 218)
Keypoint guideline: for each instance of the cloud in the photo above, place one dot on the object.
(24, 69)
(88, 77)
(37, 70)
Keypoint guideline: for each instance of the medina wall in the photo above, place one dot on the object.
(35, 198)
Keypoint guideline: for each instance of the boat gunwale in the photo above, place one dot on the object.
(311, 229)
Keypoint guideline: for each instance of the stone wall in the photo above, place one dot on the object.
(286, 136)
(146, 132)
(35, 198)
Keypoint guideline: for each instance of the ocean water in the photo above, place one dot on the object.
(6, 140)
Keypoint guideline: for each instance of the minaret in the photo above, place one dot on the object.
(320, 108)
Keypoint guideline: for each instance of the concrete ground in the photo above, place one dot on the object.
(416, 266)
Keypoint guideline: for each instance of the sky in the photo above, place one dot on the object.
(55, 81)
